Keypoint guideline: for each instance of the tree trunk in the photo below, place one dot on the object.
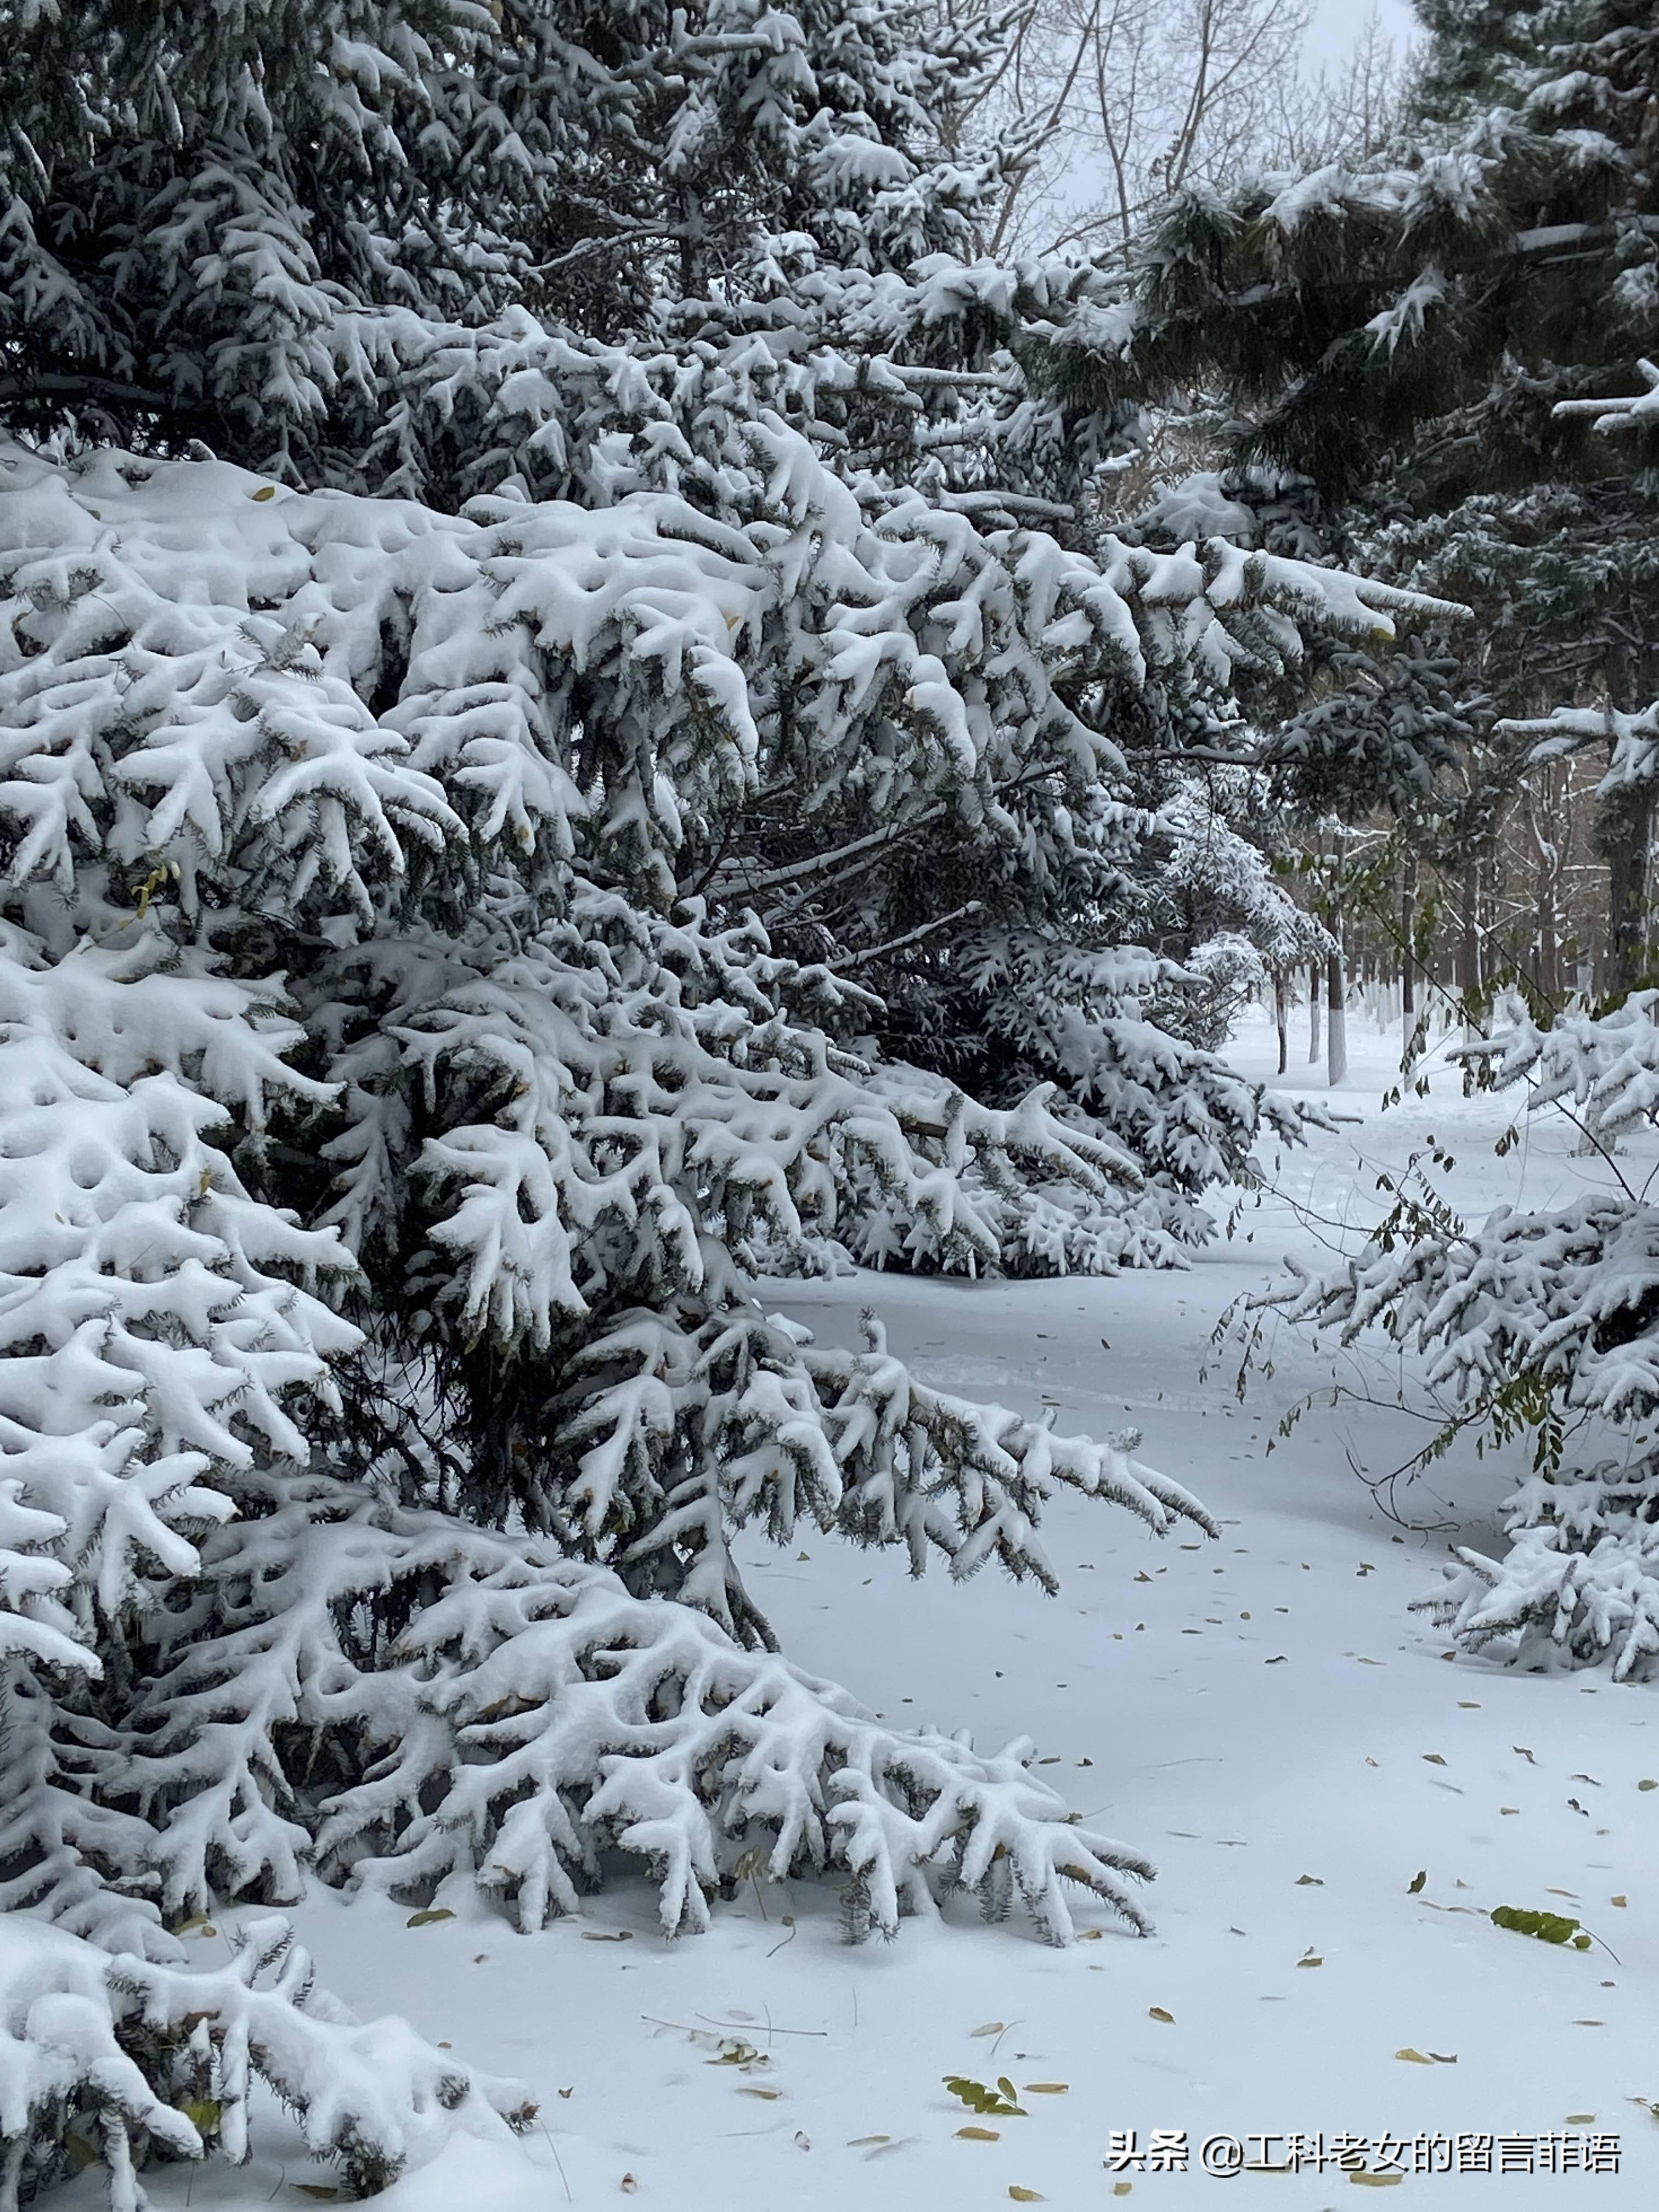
(1469, 981)
(1281, 1018)
(1624, 832)
(1407, 928)
(1336, 1019)
(1313, 1017)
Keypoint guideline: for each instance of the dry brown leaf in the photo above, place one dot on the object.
(979, 2135)
(1156, 2011)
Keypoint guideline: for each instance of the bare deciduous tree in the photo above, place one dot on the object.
(1114, 103)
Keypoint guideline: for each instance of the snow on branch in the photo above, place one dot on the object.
(1631, 739)
(115, 2057)
(531, 1715)
(1610, 416)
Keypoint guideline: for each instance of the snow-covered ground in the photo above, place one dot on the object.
(1262, 1716)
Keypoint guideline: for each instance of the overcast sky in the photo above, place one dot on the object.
(1338, 23)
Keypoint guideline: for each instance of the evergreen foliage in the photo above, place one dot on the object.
(569, 739)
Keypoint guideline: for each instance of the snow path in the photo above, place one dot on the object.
(1251, 1713)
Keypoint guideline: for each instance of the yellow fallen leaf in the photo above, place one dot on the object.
(1433, 1759)
(1618, 1901)
(599, 1936)
(1579, 2119)
(1376, 2180)
(1156, 2011)
(770, 2095)
(990, 2027)
(1122, 2188)
(979, 2135)
(1311, 1962)
(425, 1919)
(1648, 1785)
(1090, 1935)
(1417, 2057)
(269, 491)
(1025, 2195)
(1508, 1809)
(1047, 2088)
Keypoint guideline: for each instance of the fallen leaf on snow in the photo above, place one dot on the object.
(1047, 2088)
(425, 1919)
(990, 2027)
(1025, 2195)
(979, 2135)
(1156, 2011)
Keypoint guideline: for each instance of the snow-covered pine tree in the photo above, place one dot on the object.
(1405, 335)
(1436, 343)
(414, 1068)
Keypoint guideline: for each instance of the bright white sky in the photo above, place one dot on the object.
(1338, 23)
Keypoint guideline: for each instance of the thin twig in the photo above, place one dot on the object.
(557, 2161)
(770, 2029)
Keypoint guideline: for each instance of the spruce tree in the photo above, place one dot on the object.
(1451, 347)
(522, 768)
(1418, 339)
